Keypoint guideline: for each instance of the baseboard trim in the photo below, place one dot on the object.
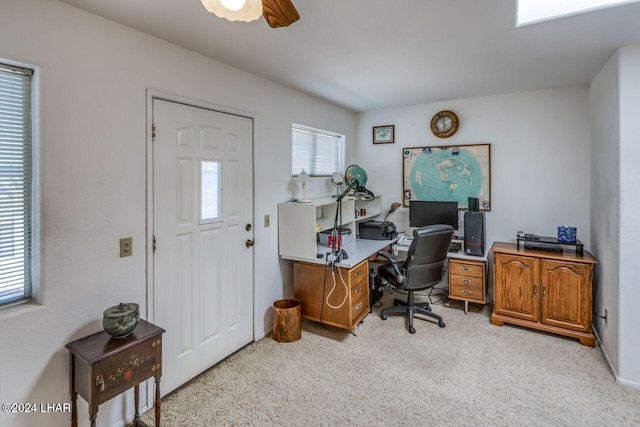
(628, 383)
(612, 369)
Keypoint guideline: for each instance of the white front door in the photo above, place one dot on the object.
(202, 220)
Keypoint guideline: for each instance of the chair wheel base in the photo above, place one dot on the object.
(410, 308)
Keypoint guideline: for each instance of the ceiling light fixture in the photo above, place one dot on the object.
(235, 10)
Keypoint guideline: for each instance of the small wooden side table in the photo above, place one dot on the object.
(102, 367)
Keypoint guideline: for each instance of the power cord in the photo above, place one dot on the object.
(595, 314)
(331, 264)
(324, 280)
(346, 289)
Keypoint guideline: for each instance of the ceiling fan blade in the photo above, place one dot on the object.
(279, 13)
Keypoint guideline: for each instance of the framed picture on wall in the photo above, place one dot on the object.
(383, 134)
(448, 174)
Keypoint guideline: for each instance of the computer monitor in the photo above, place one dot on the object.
(423, 213)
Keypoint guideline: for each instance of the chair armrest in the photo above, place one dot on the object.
(392, 259)
(394, 264)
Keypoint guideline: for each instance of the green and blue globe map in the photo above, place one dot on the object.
(447, 175)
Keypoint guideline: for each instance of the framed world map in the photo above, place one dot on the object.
(448, 173)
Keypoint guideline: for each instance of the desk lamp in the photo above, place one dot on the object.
(337, 253)
(393, 208)
(304, 178)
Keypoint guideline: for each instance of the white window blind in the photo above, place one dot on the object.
(15, 183)
(318, 153)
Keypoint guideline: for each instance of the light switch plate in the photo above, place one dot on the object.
(126, 246)
(267, 220)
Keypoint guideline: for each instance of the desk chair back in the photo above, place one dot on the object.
(427, 256)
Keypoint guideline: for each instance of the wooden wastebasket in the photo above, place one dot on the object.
(287, 319)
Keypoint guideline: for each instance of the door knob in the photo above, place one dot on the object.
(249, 243)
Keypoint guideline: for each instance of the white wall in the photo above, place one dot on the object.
(629, 208)
(615, 105)
(605, 205)
(94, 75)
(540, 154)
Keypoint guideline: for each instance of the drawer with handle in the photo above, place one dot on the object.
(359, 274)
(468, 288)
(358, 290)
(359, 306)
(466, 269)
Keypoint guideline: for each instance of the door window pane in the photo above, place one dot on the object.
(209, 191)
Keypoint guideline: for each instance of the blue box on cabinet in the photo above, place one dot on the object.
(567, 234)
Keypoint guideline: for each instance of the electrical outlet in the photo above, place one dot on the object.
(126, 246)
(605, 316)
(267, 220)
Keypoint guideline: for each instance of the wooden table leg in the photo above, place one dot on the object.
(157, 402)
(74, 394)
(136, 399)
(93, 410)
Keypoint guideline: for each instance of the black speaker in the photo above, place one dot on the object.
(474, 204)
(474, 233)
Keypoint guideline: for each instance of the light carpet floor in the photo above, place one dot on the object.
(469, 373)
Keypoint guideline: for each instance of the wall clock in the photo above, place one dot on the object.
(444, 124)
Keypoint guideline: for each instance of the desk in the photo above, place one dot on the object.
(347, 303)
(103, 367)
(467, 278)
(357, 251)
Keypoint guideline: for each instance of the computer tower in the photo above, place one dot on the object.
(375, 288)
(474, 233)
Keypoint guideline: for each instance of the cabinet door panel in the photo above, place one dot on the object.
(308, 285)
(516, 287)
(566, 295)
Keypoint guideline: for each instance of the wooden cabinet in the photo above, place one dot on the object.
(544, 290)
(338, 297)
(467, 280)
(102, 367)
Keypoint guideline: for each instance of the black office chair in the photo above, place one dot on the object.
(422, 269)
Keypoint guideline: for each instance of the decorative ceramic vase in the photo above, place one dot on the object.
(120, 320)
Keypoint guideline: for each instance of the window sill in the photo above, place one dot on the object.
(19, 309)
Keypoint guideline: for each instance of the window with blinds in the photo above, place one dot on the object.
(318, 152)
(15, 184)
